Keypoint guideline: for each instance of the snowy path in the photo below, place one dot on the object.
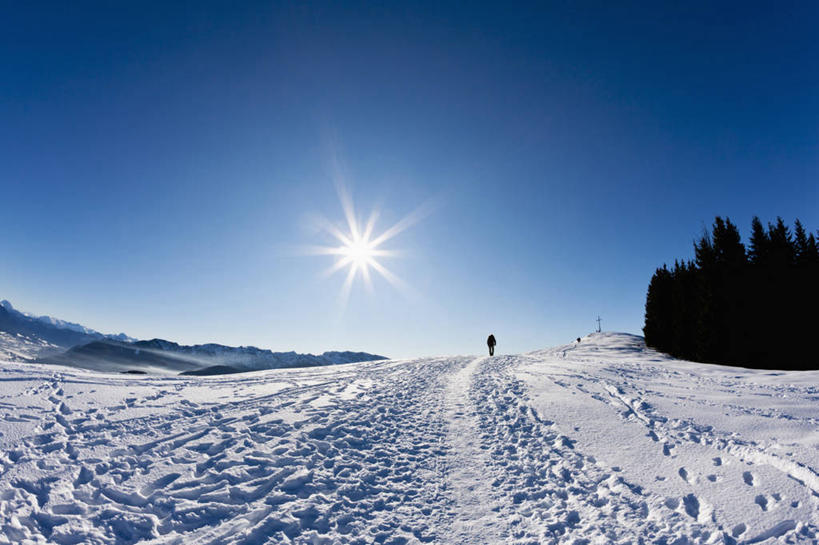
(604, 442)
(475, 518)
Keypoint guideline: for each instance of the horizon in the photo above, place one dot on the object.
(4, 302)
(169, 171)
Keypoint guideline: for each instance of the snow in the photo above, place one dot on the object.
(62, 324)
(19, 347)
(602, 441)
(159, 356)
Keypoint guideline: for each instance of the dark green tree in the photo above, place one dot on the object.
(739, 307)
(780, 245)
(706, 340)
(658, 310)
(811, 256)
(758, 251)
(685, 310)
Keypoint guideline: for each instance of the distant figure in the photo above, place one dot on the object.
(578, 339)
(491, 343)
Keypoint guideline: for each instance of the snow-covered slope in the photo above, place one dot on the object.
(598, 442)
(20, 347)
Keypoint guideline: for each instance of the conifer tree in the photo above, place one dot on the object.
(780, 244)
(800, 242)
(738, 307)
(704, 254)
(658, 310)
(706, 336)
(811, 251)
(758, 251)
(684, 305)
(727, 245)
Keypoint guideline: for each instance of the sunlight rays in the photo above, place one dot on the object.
(359, 248)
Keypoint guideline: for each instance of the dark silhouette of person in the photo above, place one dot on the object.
(491, 343)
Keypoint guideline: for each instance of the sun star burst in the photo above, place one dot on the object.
(359, 250)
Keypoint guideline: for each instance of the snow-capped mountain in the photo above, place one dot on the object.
(25, 337)
(62, 324)
(597, 442)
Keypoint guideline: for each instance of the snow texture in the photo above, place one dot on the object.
(602, 441)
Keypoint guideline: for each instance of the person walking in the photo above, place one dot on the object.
(491, 343)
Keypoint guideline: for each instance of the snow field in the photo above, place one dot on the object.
(601, 442)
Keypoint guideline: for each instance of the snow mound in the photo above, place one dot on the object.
(601, 441)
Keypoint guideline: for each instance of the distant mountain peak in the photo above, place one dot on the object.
(161, 356)
(63, 324)
(27, 337)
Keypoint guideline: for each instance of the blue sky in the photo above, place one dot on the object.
(162, 165)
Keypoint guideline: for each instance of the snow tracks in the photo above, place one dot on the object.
(425, 451)
(354, 456)
(475, 516)
(539, 488)
(457, 450)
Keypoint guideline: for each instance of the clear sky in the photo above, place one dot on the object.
(161, 166)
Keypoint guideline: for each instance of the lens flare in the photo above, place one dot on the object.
(360, 249)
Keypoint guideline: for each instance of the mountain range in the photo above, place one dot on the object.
(44, 339)
(26, 337)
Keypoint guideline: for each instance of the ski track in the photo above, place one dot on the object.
(436, 450)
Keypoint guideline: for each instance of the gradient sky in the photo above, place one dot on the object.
(161, 166)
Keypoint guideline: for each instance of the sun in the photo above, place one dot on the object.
(359, 249)
(360, 252)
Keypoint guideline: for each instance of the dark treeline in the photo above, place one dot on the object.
(753, 307)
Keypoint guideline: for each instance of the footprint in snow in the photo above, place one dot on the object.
(692, 506)
(739, 529)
